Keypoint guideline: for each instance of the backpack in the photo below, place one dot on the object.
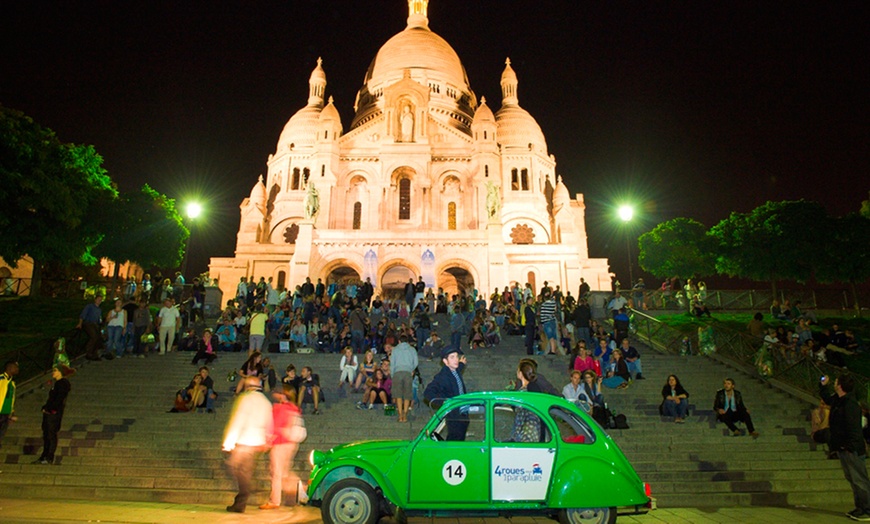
(618, 421)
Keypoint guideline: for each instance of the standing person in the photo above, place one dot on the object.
(729, 409)
(403, 362)
(7, 396)
(52, 414)
(245, 438)
(448, 383)
(257, 330)
(288, 431)
(549, 314)
(116, 329)
(528, 320)
(457, 329)
(89, 321)
(167, 319)
(847, 440)
(141, 325)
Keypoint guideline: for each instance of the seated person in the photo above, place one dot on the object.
(187, 399)
(189, 341)
(582, 361)
(207, 401)
(587, 388)
(299, 333)
(632, 359)
(604, 351)
(572, 389)
(292, 379)
(617, 374)
(730, 409)
(309, 390)
(798, 312)
(366, 370)
(205, 349)
(270, 378)
(251, 368)
(490, 333)
(699, 308)
(432, 346)
(226, 335)
(675, 401)
(821, 427)
(378, 390)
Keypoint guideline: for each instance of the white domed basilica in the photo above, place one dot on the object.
(427, 181)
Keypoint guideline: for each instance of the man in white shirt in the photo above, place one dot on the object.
(167, 320)
(245, 438)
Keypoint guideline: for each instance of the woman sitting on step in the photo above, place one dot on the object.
(675, 400)
(617, 375)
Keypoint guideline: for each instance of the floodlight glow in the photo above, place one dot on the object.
(626, 213)
(193, 210)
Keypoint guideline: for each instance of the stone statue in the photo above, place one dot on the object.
(406, 122)
(312, 202)
(493, 202)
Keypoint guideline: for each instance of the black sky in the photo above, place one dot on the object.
(692, 108)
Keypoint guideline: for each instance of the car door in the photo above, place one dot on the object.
(523, 453)
(454, 472)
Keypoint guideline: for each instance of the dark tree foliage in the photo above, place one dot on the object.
(53, 195)
(144, 227)
(775, 241)
(845, 256)
(678, 247)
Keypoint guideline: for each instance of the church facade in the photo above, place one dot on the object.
(427, 181)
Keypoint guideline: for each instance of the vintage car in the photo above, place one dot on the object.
(509, 454)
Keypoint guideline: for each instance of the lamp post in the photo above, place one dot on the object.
(626, 213)
(193, 210)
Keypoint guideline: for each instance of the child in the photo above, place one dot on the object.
(366, 370)
(347, 366)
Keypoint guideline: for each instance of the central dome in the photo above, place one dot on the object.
(416, 48)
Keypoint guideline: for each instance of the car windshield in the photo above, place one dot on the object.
(572, 429)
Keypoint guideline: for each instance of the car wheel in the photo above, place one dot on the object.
(350, 501)
(588, 516)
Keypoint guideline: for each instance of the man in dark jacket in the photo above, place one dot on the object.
(52, 415)
(848, 441)
(448, 383)
(730, 409)
(528, 321)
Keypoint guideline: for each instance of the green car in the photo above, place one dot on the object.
(522, 454)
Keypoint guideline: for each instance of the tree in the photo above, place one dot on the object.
(144, 227)
(53, 195)
(775, 241)
(845, 256)
(678, 247)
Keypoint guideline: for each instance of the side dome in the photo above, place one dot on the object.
(300, 130)
(517, 128)
(483, 113)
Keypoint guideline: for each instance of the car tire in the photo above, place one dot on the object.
(588, 516)
(350, 501)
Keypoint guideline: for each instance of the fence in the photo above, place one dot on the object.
(753, 299)
(797, 371)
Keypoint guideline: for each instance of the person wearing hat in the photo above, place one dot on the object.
(246, 437)
(448, 383)
(52, 413)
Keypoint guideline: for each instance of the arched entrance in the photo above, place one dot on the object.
(394, 280)
(342, 275)
(455, 281)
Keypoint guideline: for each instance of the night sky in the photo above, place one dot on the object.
(693, 108)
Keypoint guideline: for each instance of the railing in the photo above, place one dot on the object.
(797, 371)
(37, 357)
(752, 299)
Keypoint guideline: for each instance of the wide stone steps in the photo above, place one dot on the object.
(118, 442)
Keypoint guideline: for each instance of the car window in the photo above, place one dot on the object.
(466, 423)
(512, 423)
(572, 429)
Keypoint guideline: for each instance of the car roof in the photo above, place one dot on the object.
(539, 400)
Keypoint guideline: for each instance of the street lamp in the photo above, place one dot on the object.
(626, 213)
(193, 210)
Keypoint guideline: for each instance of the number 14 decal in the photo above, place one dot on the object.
(453, 472)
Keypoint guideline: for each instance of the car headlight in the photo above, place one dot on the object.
(315, 457)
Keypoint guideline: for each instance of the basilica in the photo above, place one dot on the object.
(426, 181)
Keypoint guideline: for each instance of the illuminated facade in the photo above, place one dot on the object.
(426, 181)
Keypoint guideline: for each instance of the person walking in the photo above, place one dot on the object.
(89, 321)
(245, 438)
(847, 440)
(52, 414)
(288, 431)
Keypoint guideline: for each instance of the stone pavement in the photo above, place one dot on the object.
(52, 511)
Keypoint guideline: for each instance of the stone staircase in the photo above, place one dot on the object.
(118, 442)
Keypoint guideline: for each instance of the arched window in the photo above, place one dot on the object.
(282, 279)
(322, 171)
(525, 179)
(294, 183)
(486, 171)
(357, 215)
(451, 215)
(515, 181)
(404, 199)
(305, 174)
